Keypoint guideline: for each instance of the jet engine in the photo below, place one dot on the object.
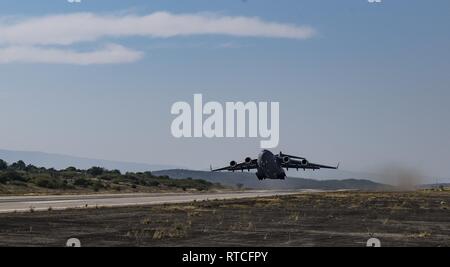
(248, 160)
(286, 159)
(233, 163)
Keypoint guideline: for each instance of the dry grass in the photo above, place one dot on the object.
(318, 219)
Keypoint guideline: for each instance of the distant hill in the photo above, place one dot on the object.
(58, 161)
(249, 180)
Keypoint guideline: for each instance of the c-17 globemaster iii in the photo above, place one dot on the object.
(270, 166)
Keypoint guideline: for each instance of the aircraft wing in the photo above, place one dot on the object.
(318, 166)
(253, 164)
(293, 164)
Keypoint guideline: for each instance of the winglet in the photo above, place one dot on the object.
(337, 167)
(210, 167)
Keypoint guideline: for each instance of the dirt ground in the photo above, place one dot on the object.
(316, 219)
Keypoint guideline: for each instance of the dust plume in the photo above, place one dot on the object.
(401, 177)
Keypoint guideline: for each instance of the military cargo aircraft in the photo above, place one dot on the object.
(270, 166)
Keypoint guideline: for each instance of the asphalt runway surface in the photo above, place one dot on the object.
(11, 204)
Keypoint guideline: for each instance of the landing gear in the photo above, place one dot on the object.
(260, 177)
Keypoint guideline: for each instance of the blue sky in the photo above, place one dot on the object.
(369, 88)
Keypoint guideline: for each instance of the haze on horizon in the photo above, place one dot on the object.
(365, 85)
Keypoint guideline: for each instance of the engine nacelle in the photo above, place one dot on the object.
(304, 162)
(233, 163)
(248, 160)
(286, 159)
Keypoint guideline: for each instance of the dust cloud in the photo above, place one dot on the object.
(403, 178)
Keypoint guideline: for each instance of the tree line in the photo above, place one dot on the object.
(95, 178)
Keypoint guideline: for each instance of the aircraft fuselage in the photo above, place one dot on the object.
(269, 167)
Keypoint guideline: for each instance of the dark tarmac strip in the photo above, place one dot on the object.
(41, 203)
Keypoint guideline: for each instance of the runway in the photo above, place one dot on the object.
(44, 203)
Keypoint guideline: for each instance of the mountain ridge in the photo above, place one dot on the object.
(249, 180)
(61, 161)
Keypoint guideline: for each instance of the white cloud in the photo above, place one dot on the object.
(73, 28)
(47, 39)
(110, 54)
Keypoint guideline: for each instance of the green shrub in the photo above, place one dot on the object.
(71, 169)
(3, 165)
(153, 183)
(12, 176)
(82, 182)
(48, 182)
(20, 166)
(3, 179)
(96, 171)
(97, 186)
(116, 172)
(31, 168)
